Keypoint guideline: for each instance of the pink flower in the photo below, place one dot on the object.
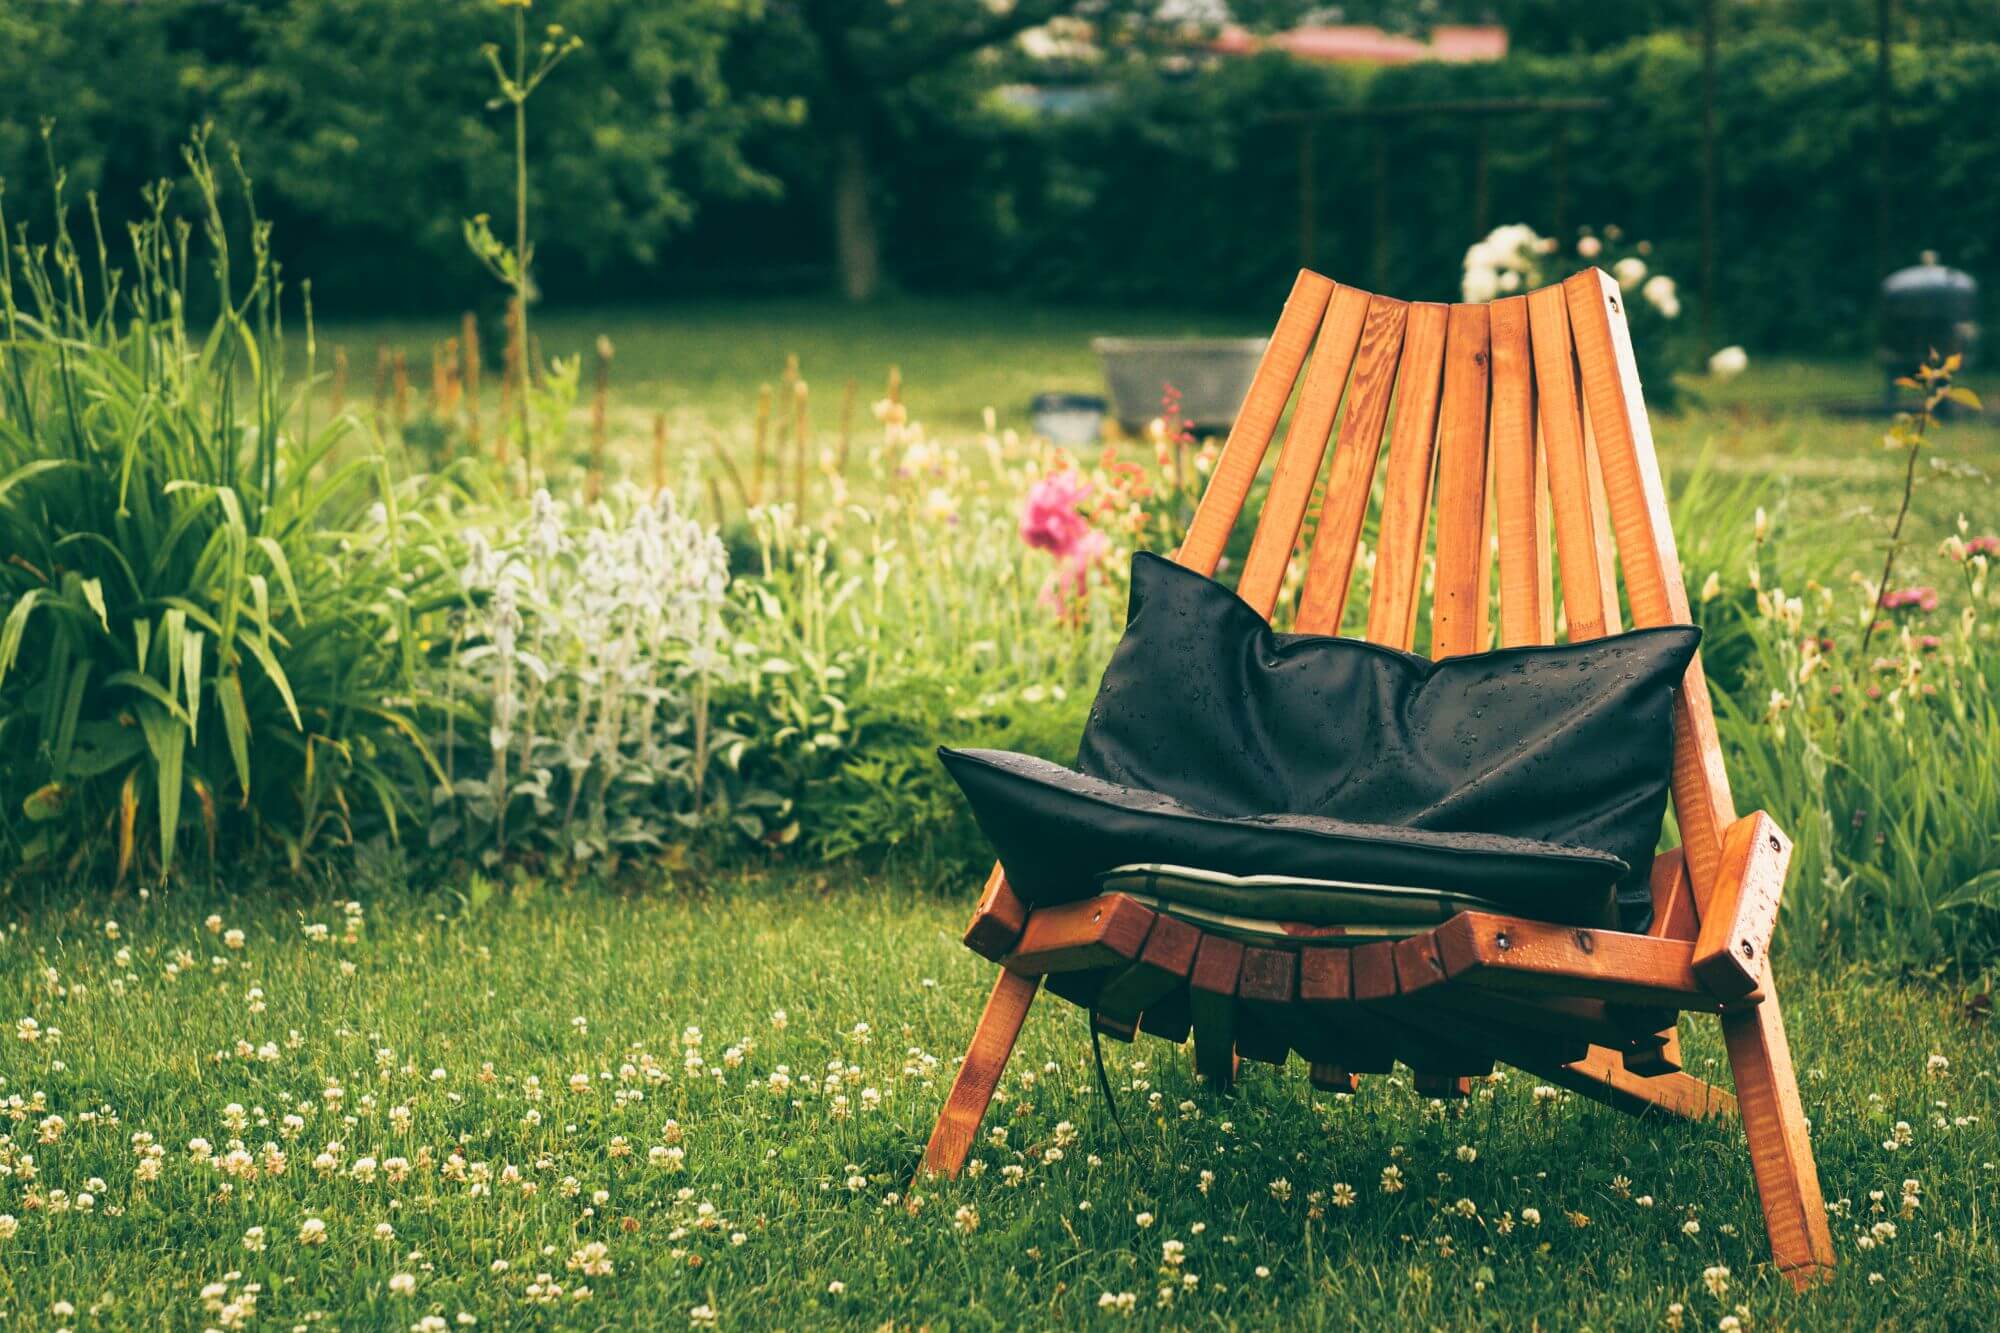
(1052, 517)
(1072, 580)
(1923, 599)
(1987, 545)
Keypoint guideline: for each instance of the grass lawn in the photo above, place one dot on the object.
(711, 1100)
(702, 363)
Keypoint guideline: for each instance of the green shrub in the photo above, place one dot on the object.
(204, 605)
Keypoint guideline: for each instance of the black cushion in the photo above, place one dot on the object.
(1057, 830)
(1569, 745)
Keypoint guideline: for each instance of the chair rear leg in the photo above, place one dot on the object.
(972, 1090)
(1767, 1092)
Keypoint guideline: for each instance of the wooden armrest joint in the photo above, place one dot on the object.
(1733, 948)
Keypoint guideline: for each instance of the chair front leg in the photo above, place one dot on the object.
(972, 1090)
(1767, 1096)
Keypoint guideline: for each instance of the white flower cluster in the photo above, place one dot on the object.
(1512, 259)
(1508, 260)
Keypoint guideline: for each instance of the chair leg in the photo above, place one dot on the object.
(1780, 1150)
(972, 1090)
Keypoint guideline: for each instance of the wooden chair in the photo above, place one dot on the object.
(1504, 414)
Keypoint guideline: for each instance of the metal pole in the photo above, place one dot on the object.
(1482, 196)
(1708, 183)
(1381, 264)
(1308, 191)
(1561, 182)
(1883, 16)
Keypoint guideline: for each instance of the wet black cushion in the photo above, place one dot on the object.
(1569, 745)
(1056, 830)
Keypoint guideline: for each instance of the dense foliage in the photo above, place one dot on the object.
(690, 146)
(1185, 189)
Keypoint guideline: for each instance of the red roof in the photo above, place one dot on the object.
(1354, 43)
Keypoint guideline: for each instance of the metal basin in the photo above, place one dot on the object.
(1211, 374)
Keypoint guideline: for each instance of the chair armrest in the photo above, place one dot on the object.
(998, 920)
(1742, 911)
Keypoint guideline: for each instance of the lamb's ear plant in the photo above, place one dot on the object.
(205, 602)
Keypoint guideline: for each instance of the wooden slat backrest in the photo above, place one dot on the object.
(1331, 568)
(1406, 494)
(1298, 463)
(1256, 420)
(1524, 586)
(1459, 595)
(1637, 500)
(1585, 579)
(1524, 417)
(1511, 415)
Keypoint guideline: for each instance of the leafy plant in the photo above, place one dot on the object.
(580, 668)
(1910, 433)
(517, 80)
(206, 607)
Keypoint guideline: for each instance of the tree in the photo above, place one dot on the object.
(366, 126)
(864, 55)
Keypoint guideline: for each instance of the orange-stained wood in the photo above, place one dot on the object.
(1602, 1076)
(1565, 445)
(1560, 415)
(1099, 932)
(1514, 953)
(1265, 988)
(1524, 585)
(1601, 524)
(1330, 571)
(1212, 1007)
(1673, 919)
(1406, 492)
(972, 1088)
(1243, 453)
(1735, 936)
(1638, 503)
(1161, 968)
(1544, 546)
(1673, 898)
(1460, 592)
(1298, 462)
(1767, 1095)
(998, 919)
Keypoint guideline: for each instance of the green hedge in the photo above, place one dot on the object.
(1185, 192)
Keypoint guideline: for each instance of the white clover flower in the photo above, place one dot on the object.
(1629, 271)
